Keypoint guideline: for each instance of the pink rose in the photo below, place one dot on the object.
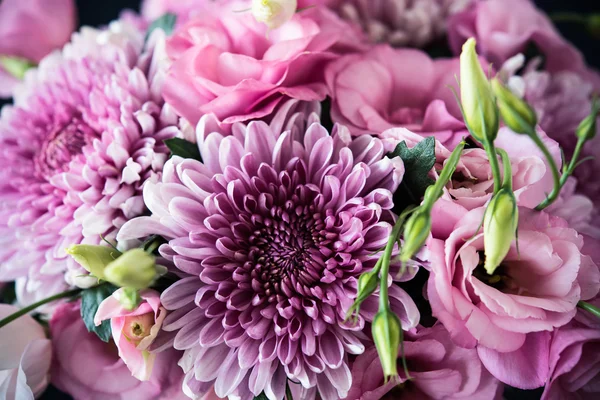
(439, 368)
(225, 63)
(25, 356)
(574, 364)
(504, 28)
(134, 330)
(535, 289)
(386, 88)
(31, 29)
(89, 369)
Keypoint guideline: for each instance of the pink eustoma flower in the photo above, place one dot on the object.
(31, 29)
(225, 63)
(89, 369)
(534, 291)
(386, 88)
(134, 330)
(440, 370)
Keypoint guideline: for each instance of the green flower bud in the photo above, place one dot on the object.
(367, 284)
(479, 106)
(129, 298)
(587, 128)
(416, 232)
(387, 332)
(500, 226)
(134, 269)
(15, 66)
(93, 259)
(515, 112)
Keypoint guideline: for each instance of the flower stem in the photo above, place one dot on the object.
(33, 306)
(559, 181)
(568, 17)
(490, 149)
(589, 308)
(288, 391)
(385, 264)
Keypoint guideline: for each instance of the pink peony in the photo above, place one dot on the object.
(25, 356)
(574, 364)
(89, 369)
(30, 29)
(401, 23)
(86, 131)
(386, 88)
(134, 330)
(535, 289)
(439, 370)
(271, 232)
(225, 63)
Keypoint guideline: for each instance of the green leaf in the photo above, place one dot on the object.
(418, 162)
(183, 148)
(166, 22)
(90, 300)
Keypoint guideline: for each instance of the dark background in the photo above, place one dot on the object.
(100, 12)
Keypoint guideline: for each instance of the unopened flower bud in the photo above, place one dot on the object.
(15, 66)
(93, 259)
(587, 128)
(515, 112)
(499, 228)
(416, 232)
(274, 13)
(367, 284)
(478, 103)
(387, 331)
(134, 269)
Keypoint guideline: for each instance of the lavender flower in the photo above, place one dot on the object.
(83, 136)
(270, 234)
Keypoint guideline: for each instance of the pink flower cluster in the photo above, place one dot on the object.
(264, 171)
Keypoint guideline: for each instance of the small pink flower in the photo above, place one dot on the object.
(535, 289)
(386, 88)
(25, 356)
(439, 368)
(30, 29)
(134, 330)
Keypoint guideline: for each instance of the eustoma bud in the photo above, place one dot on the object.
(93, 259)
(587, 128)
(515, 112)
(500, 226)
(274, 13)
(478, 104)
(387, 333)
(134, 269)
(416, 233)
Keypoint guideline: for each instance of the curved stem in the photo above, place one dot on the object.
(490, 149)
(590, 308)
(568, 17)
(558, 180)
(33, 306)
(385, 265)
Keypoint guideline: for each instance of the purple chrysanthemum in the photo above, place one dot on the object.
(86, 131)
(270, 233)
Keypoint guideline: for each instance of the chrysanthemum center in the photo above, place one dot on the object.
(61, 145)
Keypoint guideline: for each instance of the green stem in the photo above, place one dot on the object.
(490, 149)
(33, 306)
(385, 265)
(288, 391)
(558, 180)
(153, 246)
(568, 17)
(589, 308)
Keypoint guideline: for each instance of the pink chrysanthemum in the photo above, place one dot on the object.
(86, 131)
(270, 234)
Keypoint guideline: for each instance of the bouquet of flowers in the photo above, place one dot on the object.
(281, 199)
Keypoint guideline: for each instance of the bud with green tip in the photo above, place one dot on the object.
(387, 332)
(478, 104)
(416, 232)
(134, 269)
(367, 284)
(93, 259)
(587, 128)
(500, 226)
(515, 112)
(15, 66)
